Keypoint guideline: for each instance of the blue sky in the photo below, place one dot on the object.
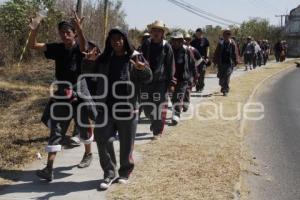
(142, 12)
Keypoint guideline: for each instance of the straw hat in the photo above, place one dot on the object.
(159, 25)
(177, 35)
(226, 30)
(187, 35)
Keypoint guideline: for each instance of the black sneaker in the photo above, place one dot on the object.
(86, 160)
(185, 108)
(106, 183)
(46, 174)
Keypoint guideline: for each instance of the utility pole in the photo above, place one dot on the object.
(79, 8)
(281, 19)
(105, 19)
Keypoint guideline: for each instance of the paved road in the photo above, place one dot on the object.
(72, 183)
(275, 140)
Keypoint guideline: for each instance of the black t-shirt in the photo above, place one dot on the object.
(179, 56)
(155, 55)
(118, 71)
(226, 59)
(67, 61)
(201, 45)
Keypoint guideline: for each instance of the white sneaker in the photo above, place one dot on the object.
(175, 119)
(122, 180)
(170, 105)
(106, 183)
(74, 141)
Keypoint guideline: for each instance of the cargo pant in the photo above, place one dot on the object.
(58, 116)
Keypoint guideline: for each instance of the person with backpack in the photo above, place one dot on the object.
(183, 64)
(125, 70)
(201, 43)
(226, 57)
(248, 51)
(62, 106)
(159, 54)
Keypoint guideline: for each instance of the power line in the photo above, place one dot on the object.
(185, 7)
(208, 13)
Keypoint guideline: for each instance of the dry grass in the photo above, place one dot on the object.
(198, 159)
(23, 95)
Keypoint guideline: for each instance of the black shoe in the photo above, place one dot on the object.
(225, 94)
(106, 183)
(185, 109)
(46, 174)
(86, 160)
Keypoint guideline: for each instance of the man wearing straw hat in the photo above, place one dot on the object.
(159, 54)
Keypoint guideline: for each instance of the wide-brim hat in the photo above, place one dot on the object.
(159, 25)
(187, 35)
(227, 30)
(177, 35)
(146, 34)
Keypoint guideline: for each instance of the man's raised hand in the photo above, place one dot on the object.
(76, 21)
(92, 55)
(35, 22)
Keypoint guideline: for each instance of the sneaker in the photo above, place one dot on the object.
(175, 119)
(46, 174)
(74, 142)
(185, 108)
(123, 180)
(106, 183)
(86, 160)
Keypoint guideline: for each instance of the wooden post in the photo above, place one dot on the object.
(105, 20)
(79, 8)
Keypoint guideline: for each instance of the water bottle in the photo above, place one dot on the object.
(43, 11)
(40, 15)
